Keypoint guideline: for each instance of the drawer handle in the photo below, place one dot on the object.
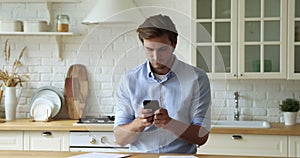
(46, 134)
(236, 137)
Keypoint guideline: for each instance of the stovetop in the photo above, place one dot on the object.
(96, 120)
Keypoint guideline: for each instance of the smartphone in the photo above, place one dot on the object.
(151, 104)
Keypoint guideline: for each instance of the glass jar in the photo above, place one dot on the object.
(62, 23)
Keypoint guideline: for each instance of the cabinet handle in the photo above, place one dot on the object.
(234, 75)
(46, 134)
(241, 74)
(93, 141)
(236, 137)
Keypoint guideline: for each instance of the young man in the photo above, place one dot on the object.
(183, 93)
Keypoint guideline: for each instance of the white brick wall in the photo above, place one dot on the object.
(107, 52)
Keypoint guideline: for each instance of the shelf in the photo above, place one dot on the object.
(38, 33)
(57, 36)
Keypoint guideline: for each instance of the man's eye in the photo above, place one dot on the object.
(162, 49)
(149, 49)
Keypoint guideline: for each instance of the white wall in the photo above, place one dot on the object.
(109, 50)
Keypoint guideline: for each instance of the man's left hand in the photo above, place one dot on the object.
(161, 117)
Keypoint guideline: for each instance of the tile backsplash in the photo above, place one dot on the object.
(109, 50)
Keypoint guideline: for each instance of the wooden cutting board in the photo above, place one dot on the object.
(76, 90)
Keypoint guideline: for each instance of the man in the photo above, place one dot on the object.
(183, 93)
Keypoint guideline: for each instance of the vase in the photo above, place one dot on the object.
(10, 103)
(290, 118)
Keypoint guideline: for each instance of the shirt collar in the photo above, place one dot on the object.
(170, 73)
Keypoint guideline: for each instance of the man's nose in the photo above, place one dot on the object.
(155, 55)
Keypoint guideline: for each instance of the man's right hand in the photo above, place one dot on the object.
(126, 134)
(145, 118)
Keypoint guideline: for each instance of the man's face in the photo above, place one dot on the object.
(159, 51)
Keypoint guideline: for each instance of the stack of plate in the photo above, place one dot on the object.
(46, 103)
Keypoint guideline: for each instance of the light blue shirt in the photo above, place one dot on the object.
(184, 92)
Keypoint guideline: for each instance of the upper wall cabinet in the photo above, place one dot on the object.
(216, 37)
(243, 39)
(294, 39)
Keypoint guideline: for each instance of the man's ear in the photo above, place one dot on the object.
(174, 44)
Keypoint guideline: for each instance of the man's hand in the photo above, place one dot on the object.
(145, 118)
(161, 117)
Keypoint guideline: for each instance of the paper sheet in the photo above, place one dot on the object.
(100, 155)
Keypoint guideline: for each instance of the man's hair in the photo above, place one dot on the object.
(156, 26)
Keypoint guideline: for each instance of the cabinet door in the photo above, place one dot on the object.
(47, 141)
(251, 46)
(215, 37)
(11, 140)
(294, 39)
(245, 144)
(294, 146)
(262, 38)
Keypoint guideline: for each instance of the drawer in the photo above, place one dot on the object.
(46, 140)
(245, 144)
(11, 140)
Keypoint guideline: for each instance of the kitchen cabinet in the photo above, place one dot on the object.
(294, 39)
(244, 39)
(246, 144)
(294, 146)
(46, 140)
(34, 140)
(11, 140)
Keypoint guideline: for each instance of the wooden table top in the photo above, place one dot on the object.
(58, 154)
(68, 125)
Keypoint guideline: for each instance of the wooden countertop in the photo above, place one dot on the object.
(68, 125)
(275, 129)
(54, 125)
(58, 154)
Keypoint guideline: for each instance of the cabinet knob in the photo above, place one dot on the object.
(93, 141)
(234, 75)
(46, 134)
(236, 137)
(104, 140)
(241, 74)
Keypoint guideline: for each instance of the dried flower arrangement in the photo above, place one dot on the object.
(14, 78)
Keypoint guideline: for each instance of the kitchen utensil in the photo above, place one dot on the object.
(76, 90)
(52, 94)
(10, 26)
(41, 109)
(35, 26)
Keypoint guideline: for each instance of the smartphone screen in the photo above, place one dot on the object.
(151, 104)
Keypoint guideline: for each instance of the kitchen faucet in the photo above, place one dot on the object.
(236, 111)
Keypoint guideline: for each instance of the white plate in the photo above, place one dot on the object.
(51, 96)
(41, 109)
